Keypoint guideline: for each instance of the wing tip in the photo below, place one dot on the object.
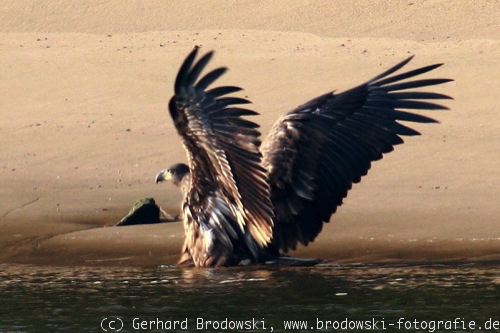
(185, 71)
(410, 58)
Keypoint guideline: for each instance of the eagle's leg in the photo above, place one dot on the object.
(186, 260)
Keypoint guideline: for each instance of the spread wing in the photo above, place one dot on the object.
(316, 152)
(222, 147)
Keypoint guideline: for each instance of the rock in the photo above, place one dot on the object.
(144, 211)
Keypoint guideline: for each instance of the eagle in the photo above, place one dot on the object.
(244, 202)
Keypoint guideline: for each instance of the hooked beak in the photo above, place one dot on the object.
(163, 175)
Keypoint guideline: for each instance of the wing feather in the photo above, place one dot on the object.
(316, 152)
(222, 148)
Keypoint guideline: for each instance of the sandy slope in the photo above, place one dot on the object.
(84, 89)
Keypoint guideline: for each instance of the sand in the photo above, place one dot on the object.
(84, 91)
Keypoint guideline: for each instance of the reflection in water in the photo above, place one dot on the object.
(76, 299)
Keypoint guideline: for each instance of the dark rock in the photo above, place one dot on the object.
(144, 211)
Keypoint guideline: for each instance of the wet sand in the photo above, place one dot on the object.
(84, 91)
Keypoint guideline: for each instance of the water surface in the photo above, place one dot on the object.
(77, 299)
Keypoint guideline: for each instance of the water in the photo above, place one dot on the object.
(77, 299)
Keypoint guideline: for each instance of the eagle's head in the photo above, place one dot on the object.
(174, 173)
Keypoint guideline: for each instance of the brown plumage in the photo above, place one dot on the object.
(239, 205)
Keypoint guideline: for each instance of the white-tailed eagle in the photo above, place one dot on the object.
(247, 203)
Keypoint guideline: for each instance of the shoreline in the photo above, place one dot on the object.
(154, 245)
